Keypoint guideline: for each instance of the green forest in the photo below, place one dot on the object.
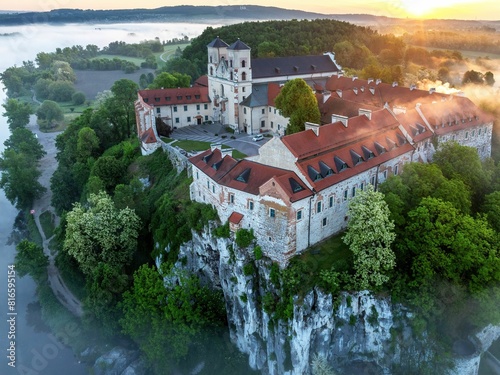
(121, 211)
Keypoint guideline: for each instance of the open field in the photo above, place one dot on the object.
(90, 82)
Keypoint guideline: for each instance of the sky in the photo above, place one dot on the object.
(458, 9)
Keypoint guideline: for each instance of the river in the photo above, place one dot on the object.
(35, 350)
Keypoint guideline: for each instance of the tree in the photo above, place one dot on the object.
(49, 113)
(164, 319)
(489, 78)
(87, 144)
(463, 163)
(170, 80)
(471, 76)
(61, 91)
(17, 113)
(110, 170)
(42, 88)
(182, 66)
(297, 101)
(23, 141)
(369, 235)
(30, 260)
(120, 107)
(63, 71)
(101, 233)
(78, 98)
(19, 178)
(491, 208)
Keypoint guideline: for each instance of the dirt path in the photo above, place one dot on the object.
(47, 166)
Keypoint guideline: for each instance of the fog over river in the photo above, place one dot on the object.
(36, 350)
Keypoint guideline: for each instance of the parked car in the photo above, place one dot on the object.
(258, 137)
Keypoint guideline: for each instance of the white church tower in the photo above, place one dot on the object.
(229, 79)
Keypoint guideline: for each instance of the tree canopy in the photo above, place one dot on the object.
(17, 113)
(369, 235)
(297, 101)
(101, 233)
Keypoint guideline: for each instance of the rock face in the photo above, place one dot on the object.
(360, 333)
(119, 361)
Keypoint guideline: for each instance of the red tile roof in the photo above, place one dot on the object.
(414, 125)
(235, 217)
(149, 136)
(213, 164)
(259, 174)
(342, 107)
(202, 81)
(273, 90)
(179, 96)
(457, 114)
(370, 156)
(306, 144)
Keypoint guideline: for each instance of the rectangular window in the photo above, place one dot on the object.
(479, 132)
(331, 202)
(175, 109)
(250, 205)
(299, 214)
(318, 207)
(213, 189)
(157, 109)
(396, 169)
(243, 89)
(189, 118)
(245, 111)
(345, 194)
(354, 191)
(372, 180)
(206, 118)
(262, 124)
(177, 120)
(263, 111)
(185, 108)
(208, 184)
(362, 186)
(272, 124)
(473, 133)
(274, 110)
(466, 135)
(269, 109)
(231, 198)
(205, 106)
(324, 222)
(197, 175)
(272, 212)
(385, 175)
(197, 107)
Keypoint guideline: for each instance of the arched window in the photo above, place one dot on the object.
(243, 63)
(244, 76)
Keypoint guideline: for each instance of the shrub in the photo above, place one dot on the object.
(248, 269)
(244, 237)
(257, 251)
(244, 298)
(373, 316)
(352, 320)
(78, 98)
(222, 231)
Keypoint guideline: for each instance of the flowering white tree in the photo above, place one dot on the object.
(101, 233)
(369, 235)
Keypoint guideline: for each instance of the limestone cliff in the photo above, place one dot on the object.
(360, 334)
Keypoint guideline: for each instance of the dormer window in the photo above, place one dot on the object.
(296, 187)
(217, 165)
(356, 158)
(401, 139)
(146, 100)
(167, 98)
(179, 97)
(207, 158)
(325, 170)
(368, 154)
(157, 100)
(188, 97)
(244, 176)
(197, 96)
(380, 149)
(390, 143)
(313, 173)
(340, 164)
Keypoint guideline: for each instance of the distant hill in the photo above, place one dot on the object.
(187, 13)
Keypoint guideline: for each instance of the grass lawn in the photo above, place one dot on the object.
(332, 252)
(47, 223)
(169, 51)
(167, 140)
(189, 146)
